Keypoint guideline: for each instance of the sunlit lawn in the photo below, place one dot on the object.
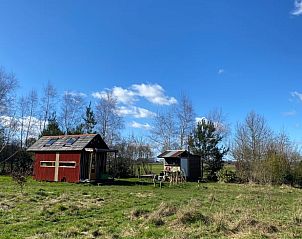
(132, 209)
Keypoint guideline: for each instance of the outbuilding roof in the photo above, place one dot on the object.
(67, 143)
(173, 153)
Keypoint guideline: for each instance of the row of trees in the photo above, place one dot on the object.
(263, 156)
(260, 154)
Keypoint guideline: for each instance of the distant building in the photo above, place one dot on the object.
(70, 158)
(182, 161)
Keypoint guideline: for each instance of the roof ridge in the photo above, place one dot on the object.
(68, 135)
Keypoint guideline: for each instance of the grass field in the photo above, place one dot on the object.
(131, 209)
(157, 168)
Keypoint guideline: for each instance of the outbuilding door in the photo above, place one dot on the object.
(92, 169)
(184, 166)
(88, 166)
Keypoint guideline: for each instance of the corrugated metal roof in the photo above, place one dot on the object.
(60, 143)
(172, 153)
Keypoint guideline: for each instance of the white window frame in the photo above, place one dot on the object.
(46, 166)
(75, 164)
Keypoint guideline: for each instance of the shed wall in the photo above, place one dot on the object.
(44, 173)
(47, 173)
(68, 174)
(194, 167)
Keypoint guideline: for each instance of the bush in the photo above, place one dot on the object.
(297, 174)
(226, 176)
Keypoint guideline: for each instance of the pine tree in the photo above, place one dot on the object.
(79, 129)
(89, 120)
(205, 141)
(52, 127)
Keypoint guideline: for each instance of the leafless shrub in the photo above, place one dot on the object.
(220, 222)
(19, 176)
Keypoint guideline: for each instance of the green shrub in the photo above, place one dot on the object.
(226, 176)
(297, 173)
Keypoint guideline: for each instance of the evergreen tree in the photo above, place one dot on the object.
(79, 129)
(52, 127)
(89, 120)
(205, 141)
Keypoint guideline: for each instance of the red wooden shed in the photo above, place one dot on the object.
(70, 158)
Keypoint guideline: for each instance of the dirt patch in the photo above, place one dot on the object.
(190, 214)
(252, 224)
(138, 213)
(5, 206)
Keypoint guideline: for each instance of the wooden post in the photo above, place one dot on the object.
(90, 166)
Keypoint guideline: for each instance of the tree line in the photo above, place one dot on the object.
(260, 155)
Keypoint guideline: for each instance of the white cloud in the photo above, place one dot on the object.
(220, 71)
(137, 125)
(298, 8)
(122, 95)
(35, 124)
(98, 95)
(153, 93)
(135, 112)
(75, 94)
(297, 94)
(290, 113)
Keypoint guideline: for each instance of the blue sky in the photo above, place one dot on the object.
(230, 54)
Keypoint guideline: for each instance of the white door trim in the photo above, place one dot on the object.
(57, 167)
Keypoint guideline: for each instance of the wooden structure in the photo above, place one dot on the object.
(70, 158)
(181, 163)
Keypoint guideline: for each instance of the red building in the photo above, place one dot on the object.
(70, 158)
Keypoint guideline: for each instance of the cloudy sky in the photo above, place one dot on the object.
(230, 54)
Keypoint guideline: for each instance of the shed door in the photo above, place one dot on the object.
(184, 166)
(92, 174)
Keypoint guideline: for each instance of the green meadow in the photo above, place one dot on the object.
(136, 209)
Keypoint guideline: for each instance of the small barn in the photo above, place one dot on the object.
(70, 158)
(182, 161)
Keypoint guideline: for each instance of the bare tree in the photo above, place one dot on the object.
(185, 118)
(8, 124)
(72, 110)
(108, 120)
(250, 144)
(164, 130)
(27, 109)
(32, 108)
(23, 110)
(8, 84)
(132, 151)
(47, 104)
(220, 121)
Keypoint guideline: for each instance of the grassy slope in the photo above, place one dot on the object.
(62, 210)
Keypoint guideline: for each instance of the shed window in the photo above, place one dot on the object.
(70, 141)
(68, 164)
(47, 163)
(50, 142)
